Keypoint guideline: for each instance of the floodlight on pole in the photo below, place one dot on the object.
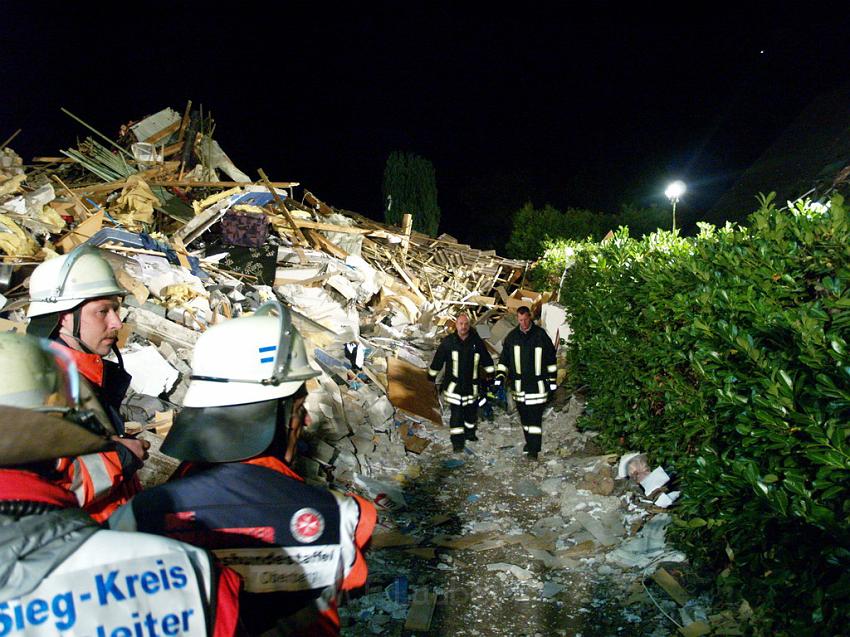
(674, 192)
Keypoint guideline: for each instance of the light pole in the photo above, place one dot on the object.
(674, 191)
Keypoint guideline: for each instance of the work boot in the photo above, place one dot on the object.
(470, 435)
(525, 448)
(532, 455)
(457, 448)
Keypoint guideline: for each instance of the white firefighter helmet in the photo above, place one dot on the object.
(62, 283)
(248, 360)
(240, 371)
(48, 411)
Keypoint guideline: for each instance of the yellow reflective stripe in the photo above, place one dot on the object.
(552, 368)
(433, 372)
(475, 360)
(518, 386)
(456, 430)
(451, 388)
(541, 389)
(469, 425)
(455, 364)
(502, 368)
(77, 486)
(489, 369)
(535, 430)
(517, 363)
(538, 361)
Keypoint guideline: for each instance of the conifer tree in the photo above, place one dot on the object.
(410, 187)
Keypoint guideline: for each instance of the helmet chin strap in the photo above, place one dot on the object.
(76, 320)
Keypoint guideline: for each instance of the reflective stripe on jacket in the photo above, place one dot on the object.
(462, 360)
(103, 481)
(529, 361)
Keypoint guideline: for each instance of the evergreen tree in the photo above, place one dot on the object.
(410, 187)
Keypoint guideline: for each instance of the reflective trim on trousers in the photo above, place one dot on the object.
(535, 430)
(457, 399)
(456, 431)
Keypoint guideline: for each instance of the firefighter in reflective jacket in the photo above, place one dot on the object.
(461, 354)
(74, 301)
(62, 573)
(528, 362)
(296, 546)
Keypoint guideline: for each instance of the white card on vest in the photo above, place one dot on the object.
(293, 568)
(155, 596)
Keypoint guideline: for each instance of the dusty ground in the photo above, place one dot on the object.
(555, 580)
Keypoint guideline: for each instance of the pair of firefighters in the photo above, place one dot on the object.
(296, 547)
(527, 363)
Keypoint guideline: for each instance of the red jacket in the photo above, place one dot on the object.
(102, 481)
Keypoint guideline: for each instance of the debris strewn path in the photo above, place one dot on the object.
(501, 545)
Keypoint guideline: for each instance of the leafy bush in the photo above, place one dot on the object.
(725, 357)
(534, 230)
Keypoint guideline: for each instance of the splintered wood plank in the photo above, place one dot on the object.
(666, 581)
(421, 611)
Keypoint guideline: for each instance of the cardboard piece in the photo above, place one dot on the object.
(12, 326)
(410, 389)
(392, 539)
(529, 298)
(412, 442)
(83, 232)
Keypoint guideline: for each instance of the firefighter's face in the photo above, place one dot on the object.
(524, 321)
(99, 324)
(462, 326)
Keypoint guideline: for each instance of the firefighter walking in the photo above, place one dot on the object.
(528, 364)
(461, 354)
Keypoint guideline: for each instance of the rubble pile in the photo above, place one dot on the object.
(196, 242)
(490, 543)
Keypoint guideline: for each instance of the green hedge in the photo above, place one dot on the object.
(725, 357)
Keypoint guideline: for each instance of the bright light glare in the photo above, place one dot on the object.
(675, 190)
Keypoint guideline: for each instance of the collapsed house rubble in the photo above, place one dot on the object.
(195, 241)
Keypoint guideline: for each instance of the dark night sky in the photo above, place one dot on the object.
(591, 109)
